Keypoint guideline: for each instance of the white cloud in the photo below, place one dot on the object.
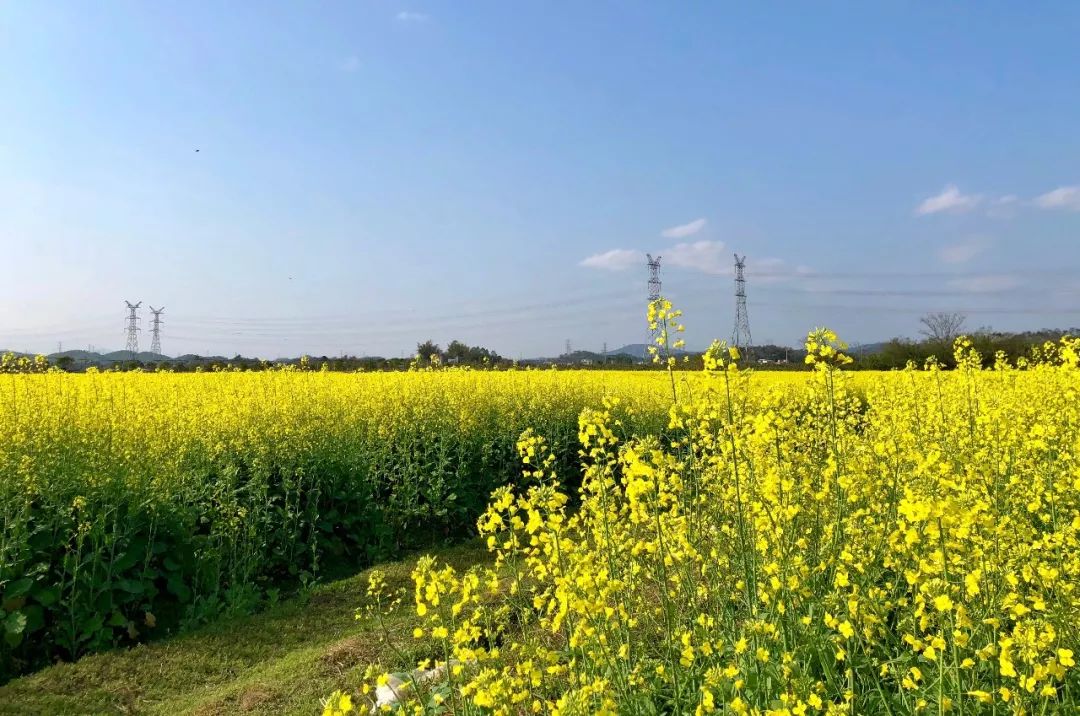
(989, 283)
(770, 269)
(705, 256)
(684, 230)
(950, 199)
(1064, 197)
(1004, 207)
(350, 64)
(708, 257)
(615, 260)
(962, 251)
(410, 16)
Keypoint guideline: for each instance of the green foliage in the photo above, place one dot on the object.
(282, 660)
(1014, 347)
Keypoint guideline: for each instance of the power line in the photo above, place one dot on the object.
(133, 328)
(566, 310)
(271, 327)
(274, 325)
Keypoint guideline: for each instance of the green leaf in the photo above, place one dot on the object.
(14, 626)
(35, 618)
(15, 623)
(42, 541)
(46, 596)
(127, 560)
(92, 625)
(177, 587)
(18, 587)
(130, 586)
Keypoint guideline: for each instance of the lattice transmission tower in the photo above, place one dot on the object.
(155, 329)
(133, 328)
(740, 338)
(654, 277)
(654, 294)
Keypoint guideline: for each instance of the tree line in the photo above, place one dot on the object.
(938, 332)
(935, 340)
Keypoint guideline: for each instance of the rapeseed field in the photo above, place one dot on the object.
(135, 504)
(816, 543)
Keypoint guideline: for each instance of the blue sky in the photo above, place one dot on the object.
(374, 173)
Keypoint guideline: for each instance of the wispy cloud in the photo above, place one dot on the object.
(411, 16)
(683, 230)
(950, 199)
(988, 283)
(1064, 197)
(350, 64)
(1003, 207)
(705, 256)
(708, 257)
(769, 269)
(615, 260)
(962, 251)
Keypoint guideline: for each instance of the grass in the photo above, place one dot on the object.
(281, 661)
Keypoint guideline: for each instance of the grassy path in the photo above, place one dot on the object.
(282, 661)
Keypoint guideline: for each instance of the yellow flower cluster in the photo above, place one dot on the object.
(787, 545)
(185, 494)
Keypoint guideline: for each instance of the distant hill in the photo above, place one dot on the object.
(82, 356)
(142, 356)
(865, 349)
(81, 359)
(75, 355)
(192, 358)
(630, 353)
(580, 358)
(637, 350)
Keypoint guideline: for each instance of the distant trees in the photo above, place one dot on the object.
(778, 354)
(458, 352)
(900, 351)
(942, 326)
(427, 349)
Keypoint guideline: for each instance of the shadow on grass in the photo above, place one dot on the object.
(280, 661)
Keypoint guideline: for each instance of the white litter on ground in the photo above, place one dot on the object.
(397, 689)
